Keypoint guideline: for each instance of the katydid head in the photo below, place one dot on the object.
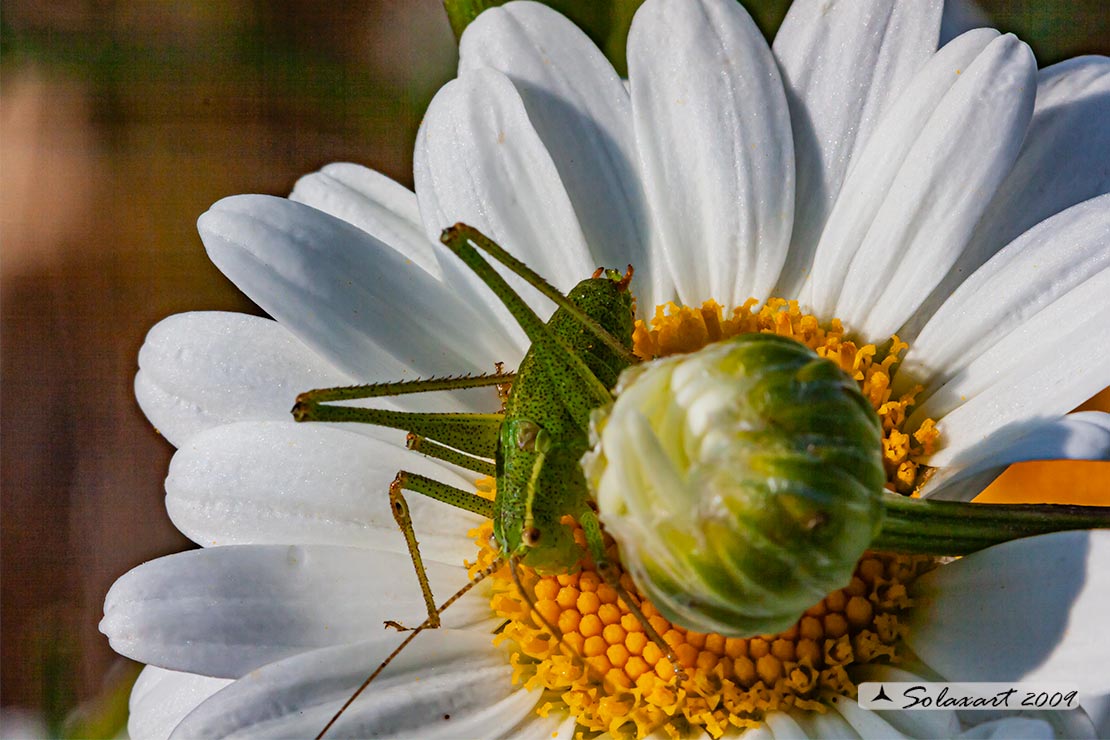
(527, 520)
(547, 549)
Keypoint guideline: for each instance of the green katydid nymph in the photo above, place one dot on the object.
(538, 439)
(535, 443)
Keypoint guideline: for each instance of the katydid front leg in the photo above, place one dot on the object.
(462, 439)
(440, 492)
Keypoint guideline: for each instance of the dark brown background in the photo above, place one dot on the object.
(122, 122)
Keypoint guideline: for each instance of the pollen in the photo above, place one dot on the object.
(682, 329)
(599, 664)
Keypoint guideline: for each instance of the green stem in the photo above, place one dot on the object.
(956, 528)
(462, 12)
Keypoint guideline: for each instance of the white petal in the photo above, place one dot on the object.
(203, 369)
(964, 488)
(478, 160)
(345, 294)
(1079, 436)
(784, 727)
(827, 726)
(1062, 163)
(371, 201)
(762, 732)
(555, 726)
(448, 684)
(582, 113)
(713, 134)
(1050, 364)
(224, 611)
(1031, 610)
(1011, 728)
(844, 63)
(288, 483)
(1042, 266)
(22, 724)
(874, 170)
(942, 188)
(160, 699)
(1074, 724)
(1003, 725)
(1097, 708)
(1063, 160)
(390, 212)
(864, 721)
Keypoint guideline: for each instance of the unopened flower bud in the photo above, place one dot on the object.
(741, 482)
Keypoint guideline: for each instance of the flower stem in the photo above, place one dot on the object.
(956, 528)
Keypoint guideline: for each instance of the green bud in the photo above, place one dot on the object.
(741, 482)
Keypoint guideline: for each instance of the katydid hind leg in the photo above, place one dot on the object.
(590, 390)
(472, 434)
(537, 281)
(406, 481)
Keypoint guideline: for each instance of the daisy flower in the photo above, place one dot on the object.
(935, 220)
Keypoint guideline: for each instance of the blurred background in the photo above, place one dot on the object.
(121, 123)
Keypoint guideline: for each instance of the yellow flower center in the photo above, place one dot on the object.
(679, 329)
(607, 672)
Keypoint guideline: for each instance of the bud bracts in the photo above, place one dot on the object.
(741, 482)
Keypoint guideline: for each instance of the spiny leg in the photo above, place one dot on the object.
(401, 515)
(595, 541)
(537, 281)
(475, 434)
(403, 387)
(589, 392)
(431, 488)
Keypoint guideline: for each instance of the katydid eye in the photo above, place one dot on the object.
(526, 434)
(531, 536)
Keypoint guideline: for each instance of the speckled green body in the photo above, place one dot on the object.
(543, 437)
